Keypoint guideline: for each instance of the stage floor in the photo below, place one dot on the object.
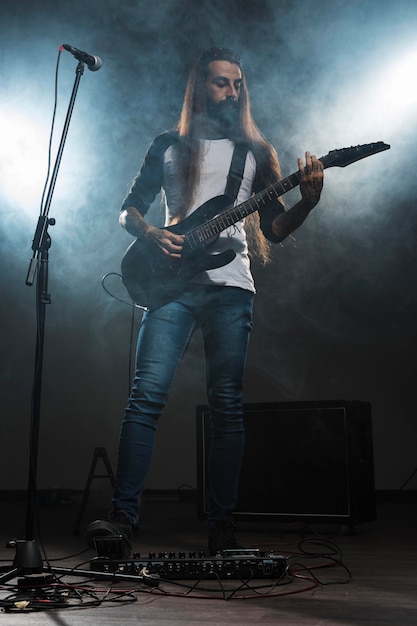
(379, 557)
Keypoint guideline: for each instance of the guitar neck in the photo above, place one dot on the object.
(234, 214)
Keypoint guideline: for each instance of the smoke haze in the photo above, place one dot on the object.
(336, 309)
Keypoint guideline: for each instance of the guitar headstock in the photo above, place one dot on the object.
(346, 156)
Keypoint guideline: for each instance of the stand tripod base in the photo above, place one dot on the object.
(27, 560)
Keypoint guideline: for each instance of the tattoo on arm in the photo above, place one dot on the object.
(133, 222)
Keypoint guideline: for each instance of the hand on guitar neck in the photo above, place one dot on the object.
(311, 184)
(311, 179)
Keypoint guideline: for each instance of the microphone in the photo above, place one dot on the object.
(93, 63)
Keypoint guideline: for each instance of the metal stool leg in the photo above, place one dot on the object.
(98, 453)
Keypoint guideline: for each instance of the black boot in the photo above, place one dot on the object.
(222, 537)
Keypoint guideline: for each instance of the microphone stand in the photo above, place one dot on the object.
(28, 558)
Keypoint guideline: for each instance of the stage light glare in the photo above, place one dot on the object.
(399, 87)
(395, 92)
(23, 160)
(382, 102)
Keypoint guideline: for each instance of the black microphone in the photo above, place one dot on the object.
(93, 63)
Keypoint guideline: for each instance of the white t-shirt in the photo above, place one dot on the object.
(215, 164)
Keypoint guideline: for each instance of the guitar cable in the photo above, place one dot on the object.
(131, 304)
(133, 307)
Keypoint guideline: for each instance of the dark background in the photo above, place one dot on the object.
(335, 311)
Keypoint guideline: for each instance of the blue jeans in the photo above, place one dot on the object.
(224, 315)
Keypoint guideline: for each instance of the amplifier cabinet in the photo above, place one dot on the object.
(310, 461)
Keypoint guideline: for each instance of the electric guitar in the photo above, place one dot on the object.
(153, 279)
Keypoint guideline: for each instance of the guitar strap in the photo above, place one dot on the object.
(237, 166)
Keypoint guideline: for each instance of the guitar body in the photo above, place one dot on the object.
(153, 279)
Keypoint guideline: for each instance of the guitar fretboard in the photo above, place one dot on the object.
(198, 236)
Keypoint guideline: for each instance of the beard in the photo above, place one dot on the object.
(225, 115)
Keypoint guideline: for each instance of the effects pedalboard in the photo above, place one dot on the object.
(229, 564)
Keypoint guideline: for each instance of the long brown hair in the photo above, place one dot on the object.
(191, 127)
